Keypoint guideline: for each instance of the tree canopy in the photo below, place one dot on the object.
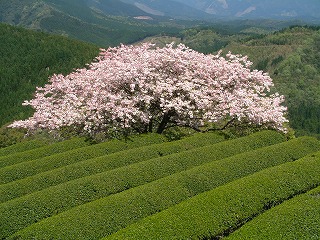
(145, 88)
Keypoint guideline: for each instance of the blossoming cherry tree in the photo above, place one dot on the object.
(145, 88)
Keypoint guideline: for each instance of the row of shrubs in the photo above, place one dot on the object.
(297, 218)
(76, 154)
(21, 147)
(40, 152)
(24, 211)
(119, 210)
(218, 212)
(99, 164)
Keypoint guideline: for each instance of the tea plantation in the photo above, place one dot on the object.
(261, 186)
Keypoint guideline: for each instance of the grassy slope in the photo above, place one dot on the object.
(10, 160)
(29, 165)
(21, 147)
(120, 210)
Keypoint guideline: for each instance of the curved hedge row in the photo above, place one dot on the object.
(29, 168)
(21, 212)
(214, 213)
(117, 211)
(21, 147)
(20, 157)
(96, 165)
(297, 218)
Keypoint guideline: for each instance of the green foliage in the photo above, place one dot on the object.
(21, 147)
(37, 153)
(298, 218)
(176, 133)
(50, 160)
(45, 203)
(204, 40)
(28, 58)
(13, 136)
(277, 60)
(213, 214)
(143, 151)
(262, 64)
(298, 78)
(48, 202)
(10, 136)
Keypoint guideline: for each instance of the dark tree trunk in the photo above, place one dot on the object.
(165, 120)
(150, 126)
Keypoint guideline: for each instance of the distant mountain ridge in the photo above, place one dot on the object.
(103, 22)
(110, 22)
(174, 9)
(258, 8)
(252, 9)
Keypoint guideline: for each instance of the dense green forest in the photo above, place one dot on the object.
(28, 59)
(291, 56)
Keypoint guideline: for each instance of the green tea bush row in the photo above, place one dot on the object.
(29, 168)
(297, 218)
(41, 152)
(21, 147)
(214, 213)
(21, 212)
(120, 210)
(100, 164)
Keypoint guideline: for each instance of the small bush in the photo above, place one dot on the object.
(9, 136)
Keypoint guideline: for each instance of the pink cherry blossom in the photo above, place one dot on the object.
(146, 88)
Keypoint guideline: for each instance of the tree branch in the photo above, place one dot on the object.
(222, 128)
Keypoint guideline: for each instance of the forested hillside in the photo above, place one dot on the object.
(28, 58)
(88, 21)
(292, 57)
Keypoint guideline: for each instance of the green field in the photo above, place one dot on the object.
(200, 187)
